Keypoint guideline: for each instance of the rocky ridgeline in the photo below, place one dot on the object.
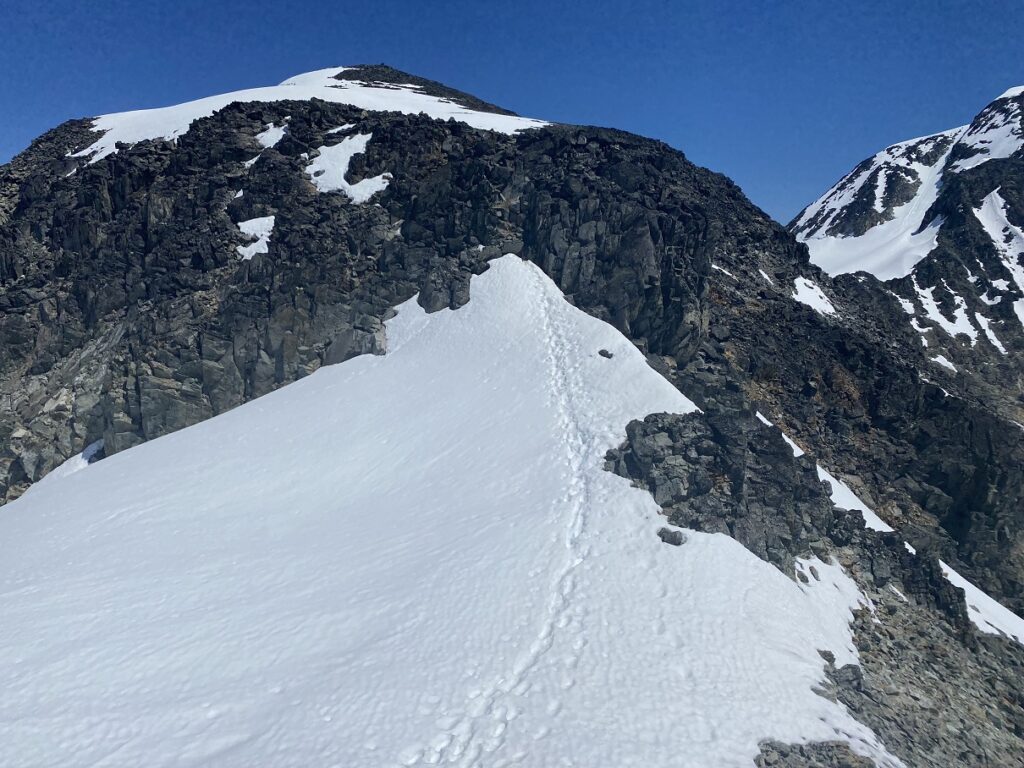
(927, 684)
(127, 313)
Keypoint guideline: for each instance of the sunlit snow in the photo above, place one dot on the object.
(987, 614)
(409, 559)
(996, 133)
(329, 169)
(1008, 240)
(171, 122)
(808, 292)
(260, 228)
(273, 134)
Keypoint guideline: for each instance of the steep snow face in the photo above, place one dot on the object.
(898, 186)
(877, 218)
(174, 121)
(408, 560)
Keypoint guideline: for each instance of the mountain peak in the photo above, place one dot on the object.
(383, 75)
(375, 88)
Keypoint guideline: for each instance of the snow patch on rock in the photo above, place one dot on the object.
(987, 614)
(261, 229)
(1008, 240)
(169, 123)
(271, 135)
(328, 170)
(809, 293)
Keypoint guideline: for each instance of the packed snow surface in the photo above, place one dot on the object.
(410, 559)
(329, 169)
(172, 122)
(260, 228)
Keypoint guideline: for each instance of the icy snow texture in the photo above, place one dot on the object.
(809, 293)
(171, 122)
(987, 614)
(405, 560)
(261, 228)
(329, 168)
(944, 362)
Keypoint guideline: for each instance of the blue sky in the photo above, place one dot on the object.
(784, 97)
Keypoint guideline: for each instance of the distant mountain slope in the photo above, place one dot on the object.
(939, 219)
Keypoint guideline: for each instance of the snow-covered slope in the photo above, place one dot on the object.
(879, 217)
(403, 560)
(875, 218)
(171, 122)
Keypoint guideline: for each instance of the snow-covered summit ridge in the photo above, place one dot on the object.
(409, 559)
(409, 98)
(879, 217)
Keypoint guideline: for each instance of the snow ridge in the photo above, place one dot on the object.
(409, 559)
(171, 122)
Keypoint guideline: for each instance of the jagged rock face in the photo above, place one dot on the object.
(940, 281)
(129, 314)
(925, 681)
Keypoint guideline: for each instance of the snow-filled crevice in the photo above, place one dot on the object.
(329, 168)
(259, 229)
(409, 559)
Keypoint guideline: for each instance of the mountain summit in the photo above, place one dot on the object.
(881, 217)
(355, 421)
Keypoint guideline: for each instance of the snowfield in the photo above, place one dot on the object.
(411, 559)
(171, 122)
(893, 247)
